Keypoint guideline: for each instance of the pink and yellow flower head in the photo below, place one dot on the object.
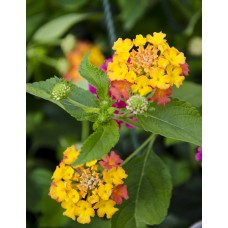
(91, 189)
(149, 65)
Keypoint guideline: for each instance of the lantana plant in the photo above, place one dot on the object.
(133, 87)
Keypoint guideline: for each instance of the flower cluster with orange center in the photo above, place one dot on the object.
(86, 190)
(147, 66)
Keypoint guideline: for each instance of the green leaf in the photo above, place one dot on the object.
(132, 12)
(43, 90)
(95, 222)
(149, 188)
(52, 214)
(176, 120)
(99, 143)
(40, 179)
(189, 92)
(95, 77)
(179, 170)
(55, 28)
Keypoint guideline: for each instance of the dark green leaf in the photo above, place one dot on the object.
(149, 187)
(95, 77)
(133, 11)
(177, 120)
(57, 27)
(99, 143)
(190, 92)
(43, 89)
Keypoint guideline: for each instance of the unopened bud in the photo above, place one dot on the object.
(61, 90)
(137, 104)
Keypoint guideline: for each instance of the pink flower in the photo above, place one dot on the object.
(118, 193)
(185, 69)
(105, 65)
(198, 156)
(120, 89)
(111, 161)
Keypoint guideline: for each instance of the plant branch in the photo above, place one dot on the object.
(150, 140)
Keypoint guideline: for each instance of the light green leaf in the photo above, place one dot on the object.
(43, 90)
(99, 143)
(190, 92)
(149, 188)
(176, 120)
(95, 77)
(54, 29)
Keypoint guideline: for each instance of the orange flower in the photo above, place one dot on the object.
(119, 192)
(162, 96)
(110, 161)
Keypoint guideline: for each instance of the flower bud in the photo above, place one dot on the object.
(137, 104)
(60, 91)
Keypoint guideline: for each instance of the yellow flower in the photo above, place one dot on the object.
(131, 76)
(117, 71)
(174, 73)
(84, 211)
(93, 199)
(70, 155)
(106, 207)
(91, 163)
(96, 57)
(156, 39)
(122, 45)
(70, 209)
(58, 190)
(159, 80)
(141, 86)
(175, 57)
(121, 57)
(73, 196)
(162, 62)
(139, 40)
(63, 172)
(104, 191)
(114, 175)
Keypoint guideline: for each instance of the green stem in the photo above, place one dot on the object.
(150, 139)
(85, 108)
(85, 130)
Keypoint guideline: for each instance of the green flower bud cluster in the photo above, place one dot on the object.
(137, 104)
(105, 115)
(60, 90)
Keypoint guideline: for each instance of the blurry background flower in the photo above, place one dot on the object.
(75, 56)
(195, 46)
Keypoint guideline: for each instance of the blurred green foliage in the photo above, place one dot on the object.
(50, 130)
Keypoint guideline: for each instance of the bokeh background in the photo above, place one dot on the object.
(59, 33)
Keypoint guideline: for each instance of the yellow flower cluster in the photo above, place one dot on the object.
(148, 63)
(86, 190)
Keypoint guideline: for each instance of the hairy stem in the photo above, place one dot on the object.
(148, 140)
